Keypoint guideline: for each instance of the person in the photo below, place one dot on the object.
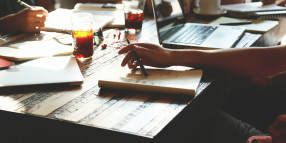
(16, 18)
(256, 112)
(263, 66)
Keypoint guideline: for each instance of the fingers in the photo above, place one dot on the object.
(132, 46)
(266, 2)
(39, 11)
(281, 2)
(35, 20)
(125, 49)
(126, 59)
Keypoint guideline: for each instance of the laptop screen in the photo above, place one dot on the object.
(167, 13)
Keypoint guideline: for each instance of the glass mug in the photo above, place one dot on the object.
(82, 34)
(134, 14)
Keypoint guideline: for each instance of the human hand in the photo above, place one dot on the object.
(278, 80)
(278, 129)
(150, 55)
(165, 8)
(30, 20)
(281, 2)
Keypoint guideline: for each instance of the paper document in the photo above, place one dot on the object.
(257, 26)
(60, 20)
(251, 7)
(36, 49)
(116, 11)
(255, 10)
(62, 69)
(168, 81)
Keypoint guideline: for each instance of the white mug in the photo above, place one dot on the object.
(208, 6)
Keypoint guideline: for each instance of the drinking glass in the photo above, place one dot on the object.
(134, 14)
(82, 33)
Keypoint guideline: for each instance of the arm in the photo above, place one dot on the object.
(251, 62)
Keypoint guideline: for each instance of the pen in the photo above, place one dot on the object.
(236, 23)
(138, 60)
(24, 4)
(2, 39)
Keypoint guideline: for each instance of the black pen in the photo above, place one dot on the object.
(24, 4)
(138, 60)
(237, 23)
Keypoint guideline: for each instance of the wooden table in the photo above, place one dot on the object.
(88, 113)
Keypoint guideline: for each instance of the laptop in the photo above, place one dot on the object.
(49, 70)
(174, 32)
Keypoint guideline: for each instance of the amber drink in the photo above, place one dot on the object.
(134, 14)
(82, 34)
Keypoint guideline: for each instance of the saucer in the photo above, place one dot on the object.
(208, 13)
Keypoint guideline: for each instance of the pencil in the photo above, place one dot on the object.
(138, 60)
(24, 4)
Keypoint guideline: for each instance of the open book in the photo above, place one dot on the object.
(255, 10)
(180, 81)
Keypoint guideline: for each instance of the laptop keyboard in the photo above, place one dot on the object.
(193, 34)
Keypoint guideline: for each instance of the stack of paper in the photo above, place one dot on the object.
(34, 49)
(168, 81)
(257, 26)
(115, 10)
(60, 20)
(254, 10)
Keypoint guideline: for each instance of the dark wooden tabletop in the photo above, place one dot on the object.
(112, 115)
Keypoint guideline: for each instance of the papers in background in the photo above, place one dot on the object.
(98, 6)
(255, 10)
(258, 26)
(60, 20)
(116, 11)
(251, 7)
(36, 49)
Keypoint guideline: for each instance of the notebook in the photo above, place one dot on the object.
(174, 32)
(257, 26)
(51, 70)
(173, 80)
(106, 9)
(255, 10)
(60, 20)
(34, 49)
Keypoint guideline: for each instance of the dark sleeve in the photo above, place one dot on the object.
(11, 6)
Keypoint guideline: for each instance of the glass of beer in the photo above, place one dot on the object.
(82, 34)
(134, 14)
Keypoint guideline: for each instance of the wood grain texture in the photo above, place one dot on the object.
(137, 113)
